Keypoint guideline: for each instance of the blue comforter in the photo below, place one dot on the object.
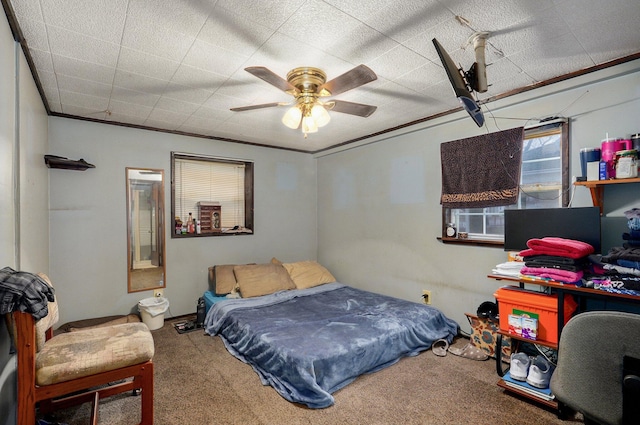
(309, 343)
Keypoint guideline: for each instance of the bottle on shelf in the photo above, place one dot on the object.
(190, 226)
(198, 227)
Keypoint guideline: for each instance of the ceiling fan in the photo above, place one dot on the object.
(308, 85)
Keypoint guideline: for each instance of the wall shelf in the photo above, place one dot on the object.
(596, 187)
(54, 161)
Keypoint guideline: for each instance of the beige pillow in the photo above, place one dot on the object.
(224, 279)
(255, 280)
(307, 274)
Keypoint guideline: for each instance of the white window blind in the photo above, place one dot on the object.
(210, 181)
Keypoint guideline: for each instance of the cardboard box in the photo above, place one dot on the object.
(545, 306)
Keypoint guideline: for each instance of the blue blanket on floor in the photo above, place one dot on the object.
(309, 343)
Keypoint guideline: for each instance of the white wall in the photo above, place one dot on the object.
(24, 188)
(7, 141)
(378, 203)
(88, 216)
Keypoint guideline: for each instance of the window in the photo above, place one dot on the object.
(217, 192)
(544, 183)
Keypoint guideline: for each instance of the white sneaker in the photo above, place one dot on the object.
(519, 366)
(539, 373)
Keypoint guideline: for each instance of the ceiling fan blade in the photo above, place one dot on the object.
(271, 78)
(351, 108)
(356, 77)
(263, 105)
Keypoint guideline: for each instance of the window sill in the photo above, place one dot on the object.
(206, 235)
(474, 242)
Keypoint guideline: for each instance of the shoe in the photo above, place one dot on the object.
(539, 373)
(519, 368)
(439, 347)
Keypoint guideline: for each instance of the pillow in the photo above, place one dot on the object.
(255, 280)
(224, 281)
(307, 274)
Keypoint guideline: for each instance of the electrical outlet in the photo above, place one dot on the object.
(158, 292)
(426, 296)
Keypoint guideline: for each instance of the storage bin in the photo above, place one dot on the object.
(511, 298)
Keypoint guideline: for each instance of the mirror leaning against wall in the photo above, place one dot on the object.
(145, 229)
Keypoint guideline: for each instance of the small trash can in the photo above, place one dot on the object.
(152, 311)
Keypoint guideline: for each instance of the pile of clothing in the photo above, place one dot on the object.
(23, 291)
(619, 270)
(559, 259)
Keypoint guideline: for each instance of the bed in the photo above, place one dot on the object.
(308, 342)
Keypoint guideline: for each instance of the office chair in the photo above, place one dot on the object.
(598, 371)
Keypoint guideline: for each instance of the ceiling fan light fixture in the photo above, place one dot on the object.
(309, 125)
(292, 117)
(320, 115)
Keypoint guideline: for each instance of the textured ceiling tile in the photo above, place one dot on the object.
(125, 119)
(42, 60)
(490, 15)
(212, 114)
(200, 122)
(535, 31)
(161, 123)
(124, 109)
(139, 82)
(82, 111)
(234, 32)
(99, 19)
(48, 79)
(146, 37)
(213, 58)
(88, 49)
(186, 17)
(93, 104)
(562, 56)
(403, 20)
(146, 64)
(365, 44)
(35, 34)
(421, 78)
(325, 31)
(173, 119)
(397, 62)
(87, 87)
(530, 41)
(270, 13)
(187, 94)
(81, 69)
(197, 78)
(132, 96)
(177, 106)
(29, 9)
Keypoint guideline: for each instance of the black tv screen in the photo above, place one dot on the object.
(581, 224)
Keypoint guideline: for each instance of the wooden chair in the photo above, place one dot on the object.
(59, 371)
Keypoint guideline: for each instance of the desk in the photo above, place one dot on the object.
(560, 289)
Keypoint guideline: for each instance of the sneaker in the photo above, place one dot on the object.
(519, 366)
(539, 373)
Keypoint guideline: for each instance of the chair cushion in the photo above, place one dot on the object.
(87, 352)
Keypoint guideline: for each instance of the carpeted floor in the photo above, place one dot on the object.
(198, 382)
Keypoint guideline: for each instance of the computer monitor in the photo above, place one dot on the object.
(581, 224)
